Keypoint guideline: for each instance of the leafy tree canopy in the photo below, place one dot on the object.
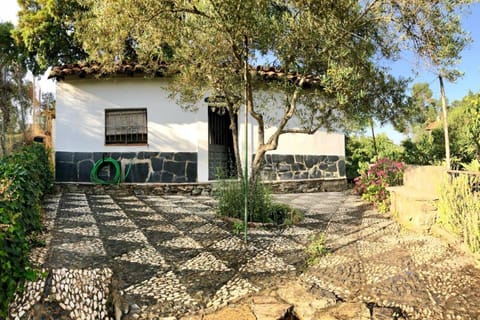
(212, 45)
(15, 97)
(46, 29)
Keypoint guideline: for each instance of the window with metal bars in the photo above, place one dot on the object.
(126, 126)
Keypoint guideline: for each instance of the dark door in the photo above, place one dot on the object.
(221, 158)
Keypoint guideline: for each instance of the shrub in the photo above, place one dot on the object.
(231, 203)
(459, 210)
(24, 179)
(360, 150)
(281, 213)
(374, 180)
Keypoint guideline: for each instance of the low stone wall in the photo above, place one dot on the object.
(307, 185)
(300, 167)
(148, 167)
(195, 189)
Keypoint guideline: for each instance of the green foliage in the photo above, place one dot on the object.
(238, 227)
(472, 166)
(459, 210)
(464, 124)
(25, 177)
(427, 149)
(316, 249)
(427, 146)
(46, 29)
(14, 90)
(281, 213)
(374, 180)
(231, 203)
(360, 150)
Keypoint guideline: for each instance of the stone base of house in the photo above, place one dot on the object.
(300, 167)
(181, 167)
(145, 167)
(196, 189)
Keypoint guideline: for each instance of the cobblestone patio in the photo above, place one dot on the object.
(153, 257)
(166, 256)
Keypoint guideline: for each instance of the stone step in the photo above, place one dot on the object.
(414, 209)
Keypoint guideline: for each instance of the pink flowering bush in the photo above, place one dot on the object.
(373, 182)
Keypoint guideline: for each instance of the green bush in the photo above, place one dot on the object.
(459, 210)
(25, 177)
(231, 203)
(359, 151)
(374, 180)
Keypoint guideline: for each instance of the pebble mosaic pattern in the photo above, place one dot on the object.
(163, 257)
(372, 261)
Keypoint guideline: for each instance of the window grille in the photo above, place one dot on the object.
(126, 126)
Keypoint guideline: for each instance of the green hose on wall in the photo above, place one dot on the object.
(118, 172)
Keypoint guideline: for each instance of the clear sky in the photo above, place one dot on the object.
(406, 67)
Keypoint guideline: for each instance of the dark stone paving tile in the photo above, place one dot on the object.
(115, 248)
(208, 239)
(158, 238)
(145, 224)
(75, 222)
(109, 231)
(177, 257)
(60, 237)
(103, 218)
(59, 258)
(234, 259)
(203, 284)
(131, 273)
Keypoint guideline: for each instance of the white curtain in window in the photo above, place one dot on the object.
(126, 121)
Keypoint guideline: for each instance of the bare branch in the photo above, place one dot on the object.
(304, 131)
(273, 140)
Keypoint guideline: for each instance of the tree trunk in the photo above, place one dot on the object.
(375, 150)
(4, 110)
(445, 123)
(236, 150)
(257, 165)
(23, 116)
(2, 137)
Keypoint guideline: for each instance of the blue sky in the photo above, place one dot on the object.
(470, 64)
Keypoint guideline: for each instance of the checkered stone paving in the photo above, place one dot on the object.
(167, 256)
(155, 257)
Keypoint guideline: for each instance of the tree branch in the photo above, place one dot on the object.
(273, 140)
(304, 131)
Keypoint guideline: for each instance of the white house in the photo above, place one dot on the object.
(132, 119)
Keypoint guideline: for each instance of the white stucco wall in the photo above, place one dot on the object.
(81, 108)
(80, 122)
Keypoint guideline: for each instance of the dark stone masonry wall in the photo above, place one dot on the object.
(299, 167)
(154, 167)
(204, 189)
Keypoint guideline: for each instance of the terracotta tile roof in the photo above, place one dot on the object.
(85, 69)
(130, 69)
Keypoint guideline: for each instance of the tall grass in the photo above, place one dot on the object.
(459, 210)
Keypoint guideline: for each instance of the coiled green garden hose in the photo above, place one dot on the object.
(118, 172)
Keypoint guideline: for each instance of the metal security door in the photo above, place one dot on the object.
(221, 159)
